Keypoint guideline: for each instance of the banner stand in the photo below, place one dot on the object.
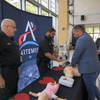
(30, 29)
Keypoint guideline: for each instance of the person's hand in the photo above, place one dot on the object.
(56, 55)
(19, 70)
(2, 82)
(75, 65)
(98, 52)
(60, 60)
(69, 65)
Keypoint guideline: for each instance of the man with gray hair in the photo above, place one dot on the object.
(10, 60)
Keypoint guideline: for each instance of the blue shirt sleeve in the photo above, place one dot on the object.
(79, 48)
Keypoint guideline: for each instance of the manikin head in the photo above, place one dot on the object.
(70, 71)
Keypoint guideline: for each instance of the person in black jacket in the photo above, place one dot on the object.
(98, 47)
(46, 51)
(10, 60)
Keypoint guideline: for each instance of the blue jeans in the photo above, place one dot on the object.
(90, 83)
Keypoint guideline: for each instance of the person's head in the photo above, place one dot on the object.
(8, 26)
(78, 31)
(50, 32)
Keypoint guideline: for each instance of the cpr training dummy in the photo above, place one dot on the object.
(48, 93)
(69, 72)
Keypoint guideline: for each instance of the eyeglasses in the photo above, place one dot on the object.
(12, 26)
(53, 34)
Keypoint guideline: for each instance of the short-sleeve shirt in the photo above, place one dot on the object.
(45, 46)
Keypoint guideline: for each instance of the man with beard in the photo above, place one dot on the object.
(85, 55)
(46, 51)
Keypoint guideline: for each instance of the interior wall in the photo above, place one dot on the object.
(90, 9)
(63, 22)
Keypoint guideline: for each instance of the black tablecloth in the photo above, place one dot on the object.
(77, 92)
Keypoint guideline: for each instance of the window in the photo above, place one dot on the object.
(44, 13)
(71, 22)
(89, 30)
(96, 29)
(44, 3)
(70, 33)
(15, 3)
(30, 7)
(94, 32)
(53, 20)
(53, 5)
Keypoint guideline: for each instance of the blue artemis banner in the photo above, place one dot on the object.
(30, 29)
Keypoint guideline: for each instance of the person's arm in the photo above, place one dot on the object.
(50, 56)
(79, 48)
(33, 94)
(45, 48)
(2, 82)
(55, 53)
(19, 70)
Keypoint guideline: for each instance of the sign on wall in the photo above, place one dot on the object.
(30, 29)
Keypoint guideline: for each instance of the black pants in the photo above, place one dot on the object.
(11, 79)
(43, 67)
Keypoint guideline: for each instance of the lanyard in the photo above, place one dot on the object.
(14, 43)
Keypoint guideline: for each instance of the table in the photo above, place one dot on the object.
(77, 92)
